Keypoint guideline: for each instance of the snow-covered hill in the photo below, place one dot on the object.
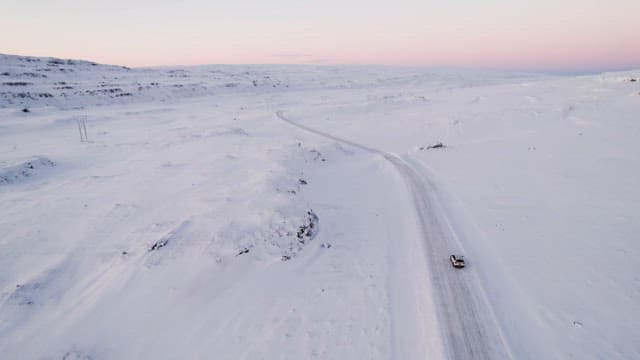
(195, 223)
(72, 83)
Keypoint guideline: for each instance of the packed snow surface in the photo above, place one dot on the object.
(294, 212)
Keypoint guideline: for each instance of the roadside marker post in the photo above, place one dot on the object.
(82, 128)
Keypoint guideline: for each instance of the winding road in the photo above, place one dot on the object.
(467, 324)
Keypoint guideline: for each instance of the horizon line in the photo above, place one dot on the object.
(560, 71)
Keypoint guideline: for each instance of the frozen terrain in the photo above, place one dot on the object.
(288, 212)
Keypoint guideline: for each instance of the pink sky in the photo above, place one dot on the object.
(569, 35)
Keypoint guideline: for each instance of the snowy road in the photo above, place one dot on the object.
(469, 328)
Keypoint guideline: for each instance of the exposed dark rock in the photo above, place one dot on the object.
(159, 244)
(437, 145)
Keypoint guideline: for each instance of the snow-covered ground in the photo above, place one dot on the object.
(195, 223)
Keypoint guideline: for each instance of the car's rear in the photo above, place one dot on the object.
(457, 261)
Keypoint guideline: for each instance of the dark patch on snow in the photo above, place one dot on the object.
(56, 62)
(577, 324)
(437, 145)
(28, 95)
(172, 235)
(159, 244)
(308, 230)
(305, 234)
(23, 293)
(317, 155)
(76, 355)
(33, 75)
(292, 240)
(104, 91)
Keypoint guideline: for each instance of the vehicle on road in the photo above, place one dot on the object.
(457, 261)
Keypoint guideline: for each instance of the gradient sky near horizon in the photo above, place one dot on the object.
(544, 35)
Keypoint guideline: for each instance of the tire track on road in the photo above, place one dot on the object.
(468, 326)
